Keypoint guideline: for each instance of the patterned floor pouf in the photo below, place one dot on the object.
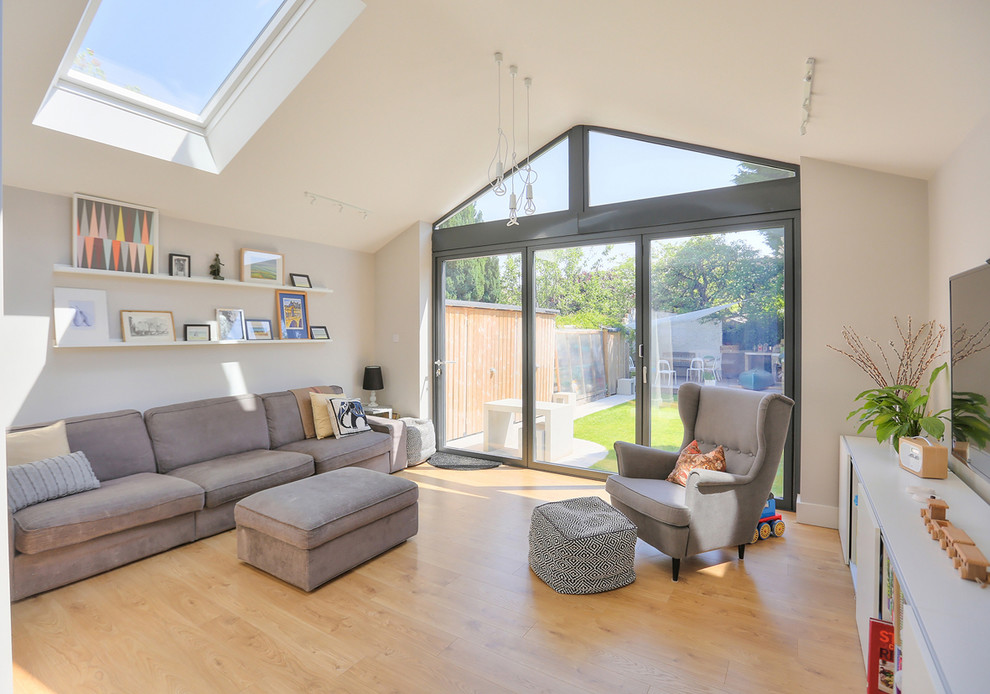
(421, 440)
(581, 546)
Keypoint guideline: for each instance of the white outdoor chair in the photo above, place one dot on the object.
(696, 371)
(666, 376)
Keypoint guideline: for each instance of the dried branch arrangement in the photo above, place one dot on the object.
(917, 351)
(966, 343)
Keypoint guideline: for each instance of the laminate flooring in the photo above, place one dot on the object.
(455, 609)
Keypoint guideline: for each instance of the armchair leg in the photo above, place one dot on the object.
(742, 551)
(676, 566)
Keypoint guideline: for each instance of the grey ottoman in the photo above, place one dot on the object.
(309, 531)
(421, 439)
(582, 546)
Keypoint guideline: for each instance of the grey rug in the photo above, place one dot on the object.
(449, 461)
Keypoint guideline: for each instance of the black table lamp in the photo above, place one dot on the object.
(373, 381)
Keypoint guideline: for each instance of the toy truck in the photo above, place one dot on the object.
(770, 523)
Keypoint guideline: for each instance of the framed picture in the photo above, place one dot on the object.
(196, 332)
(147, 326)
(80, 317)
(115, 236)
(298, 280)
(259, 329)
(230, 324)
(293, 315)
(261, 266)
(178, 265)
(319, 332)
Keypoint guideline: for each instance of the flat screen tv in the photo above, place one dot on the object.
(969, 300)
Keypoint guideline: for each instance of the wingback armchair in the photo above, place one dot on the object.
(716, 509)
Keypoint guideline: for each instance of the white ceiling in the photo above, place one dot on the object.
(399, 116)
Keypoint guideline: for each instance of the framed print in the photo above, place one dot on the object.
(196, 332)
(259, 329)
(299, 280)
(147, 326)
(115, 236)
(80, 317)
(178, 265)
(261, 266)
(319, 332)
(293, 315)
(230, 324)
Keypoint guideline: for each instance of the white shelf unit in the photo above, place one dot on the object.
(113, 344)
(86, 272)
(947, 619)
(69, 270)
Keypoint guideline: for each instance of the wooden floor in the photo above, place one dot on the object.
(455, 609)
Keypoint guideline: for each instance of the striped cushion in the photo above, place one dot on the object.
(32, 483)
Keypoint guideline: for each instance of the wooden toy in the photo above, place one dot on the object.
(952, 536)
(971, 563)
(936, 509)
(935, 528)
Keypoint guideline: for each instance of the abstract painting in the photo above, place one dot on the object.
(114, 236)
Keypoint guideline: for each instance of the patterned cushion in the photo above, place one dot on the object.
(32, 483)
(347, 416)
(689, 461)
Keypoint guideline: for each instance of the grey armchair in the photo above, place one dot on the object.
(715, 509)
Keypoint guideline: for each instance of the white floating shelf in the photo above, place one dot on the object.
(86, 272)
(183, 343)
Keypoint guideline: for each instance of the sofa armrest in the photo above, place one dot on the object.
(397, 430)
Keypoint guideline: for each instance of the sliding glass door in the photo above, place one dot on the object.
(585, 332)
(478, 366)
(717, 316)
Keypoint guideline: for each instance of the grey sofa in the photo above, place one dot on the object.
(174, 476)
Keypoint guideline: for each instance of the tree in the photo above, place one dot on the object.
(473, 279)
(590, 288)
(754, 173)
(469, 214)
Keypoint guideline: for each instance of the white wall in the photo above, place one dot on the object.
(402, 320)
(863, 261)
(53, 383)
(959, 220)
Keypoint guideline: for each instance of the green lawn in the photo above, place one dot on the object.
(619, 424)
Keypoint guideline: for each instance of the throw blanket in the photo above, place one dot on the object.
(306, 405)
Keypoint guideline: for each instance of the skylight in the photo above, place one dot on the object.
(178, 52)
(187, 81)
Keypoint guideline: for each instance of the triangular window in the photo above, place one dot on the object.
(621, 169)
(549, 192)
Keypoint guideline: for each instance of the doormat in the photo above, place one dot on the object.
(449, 461)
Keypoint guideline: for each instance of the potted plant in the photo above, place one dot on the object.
(970, 421)
(898, 406)
(900, 410)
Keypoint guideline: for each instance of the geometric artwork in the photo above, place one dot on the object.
(115, 236)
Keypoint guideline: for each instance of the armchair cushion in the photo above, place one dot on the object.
(659, 499)
(688, 461)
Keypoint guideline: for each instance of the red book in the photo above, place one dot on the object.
(880, 658)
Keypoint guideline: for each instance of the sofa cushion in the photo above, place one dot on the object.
(332, 453)
(119, 504)
(284, 420)
(192, 432)
(51, 478)
(235, 476)
(657, 499)
(115, 443)
(39, 443)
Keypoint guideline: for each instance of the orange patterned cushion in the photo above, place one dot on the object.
(689, 461)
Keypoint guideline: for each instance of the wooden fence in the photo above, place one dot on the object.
(484, 344)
